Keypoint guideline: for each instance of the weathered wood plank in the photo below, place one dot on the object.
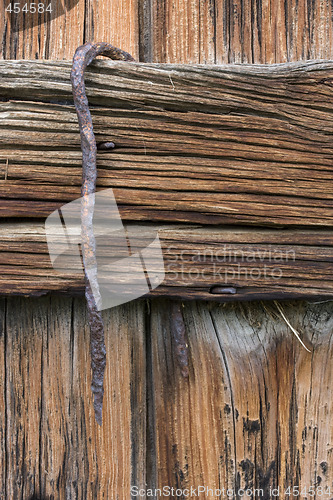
(231, 145)
(188, 455)
(115, 453)
(42, 35)
(56, 35)
(264, 33)
(257, 264)
(314, 400)
(266, 431)
(3, 433)
(222, 31)
(278, 429)
(265, 409)
(24, 401)
(58, 411)
(240, 31)
(53, 446)
(183, 31)
(115, 22)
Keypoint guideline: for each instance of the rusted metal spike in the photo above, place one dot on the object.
(84, 55)
(179, 336)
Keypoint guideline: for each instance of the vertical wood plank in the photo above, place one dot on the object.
(194, 417)
(26, 323)
(55, 449)
(280, 392)
(113, 451)
(239, 28)
(183, 31)
(263, 398)
(116, 22)
(27, 36)
(252, 362)
(59, 420)
(145, 31)
(314, 397)
(239, 31)
(207, 32)
(72, 23)
(3, 449)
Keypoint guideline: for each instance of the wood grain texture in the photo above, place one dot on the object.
(56, 35)
(266, 409)
(3, 433)
(24, 365)
(42, 36)
(257, 408)
(54, 447)
(266, 415)
(229, 145)
(257, 264)
(240, 31)
(115, 22)
(196, 31)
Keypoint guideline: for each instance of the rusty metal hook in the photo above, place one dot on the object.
(84, 55)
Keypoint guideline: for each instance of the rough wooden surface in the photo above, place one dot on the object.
(257, 408)
(52, 446)
(228, 145)
(257, 264)
(33, 36)
(263, 422)
(240, 31)
(266, 408)
(176, 31)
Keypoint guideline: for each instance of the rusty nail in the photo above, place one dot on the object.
(104, 146)
(84, 55)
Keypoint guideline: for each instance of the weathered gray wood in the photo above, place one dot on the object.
(206, 144)
(258, 264)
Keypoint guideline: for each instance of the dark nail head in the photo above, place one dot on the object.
(102, 146)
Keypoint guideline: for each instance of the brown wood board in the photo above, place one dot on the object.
(216, 145)
(51, 440)
(176, 31)
(264, 399)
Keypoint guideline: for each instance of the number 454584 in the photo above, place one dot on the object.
(29, 7)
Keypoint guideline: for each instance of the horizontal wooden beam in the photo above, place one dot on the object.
(248, 145)
(244, 264)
